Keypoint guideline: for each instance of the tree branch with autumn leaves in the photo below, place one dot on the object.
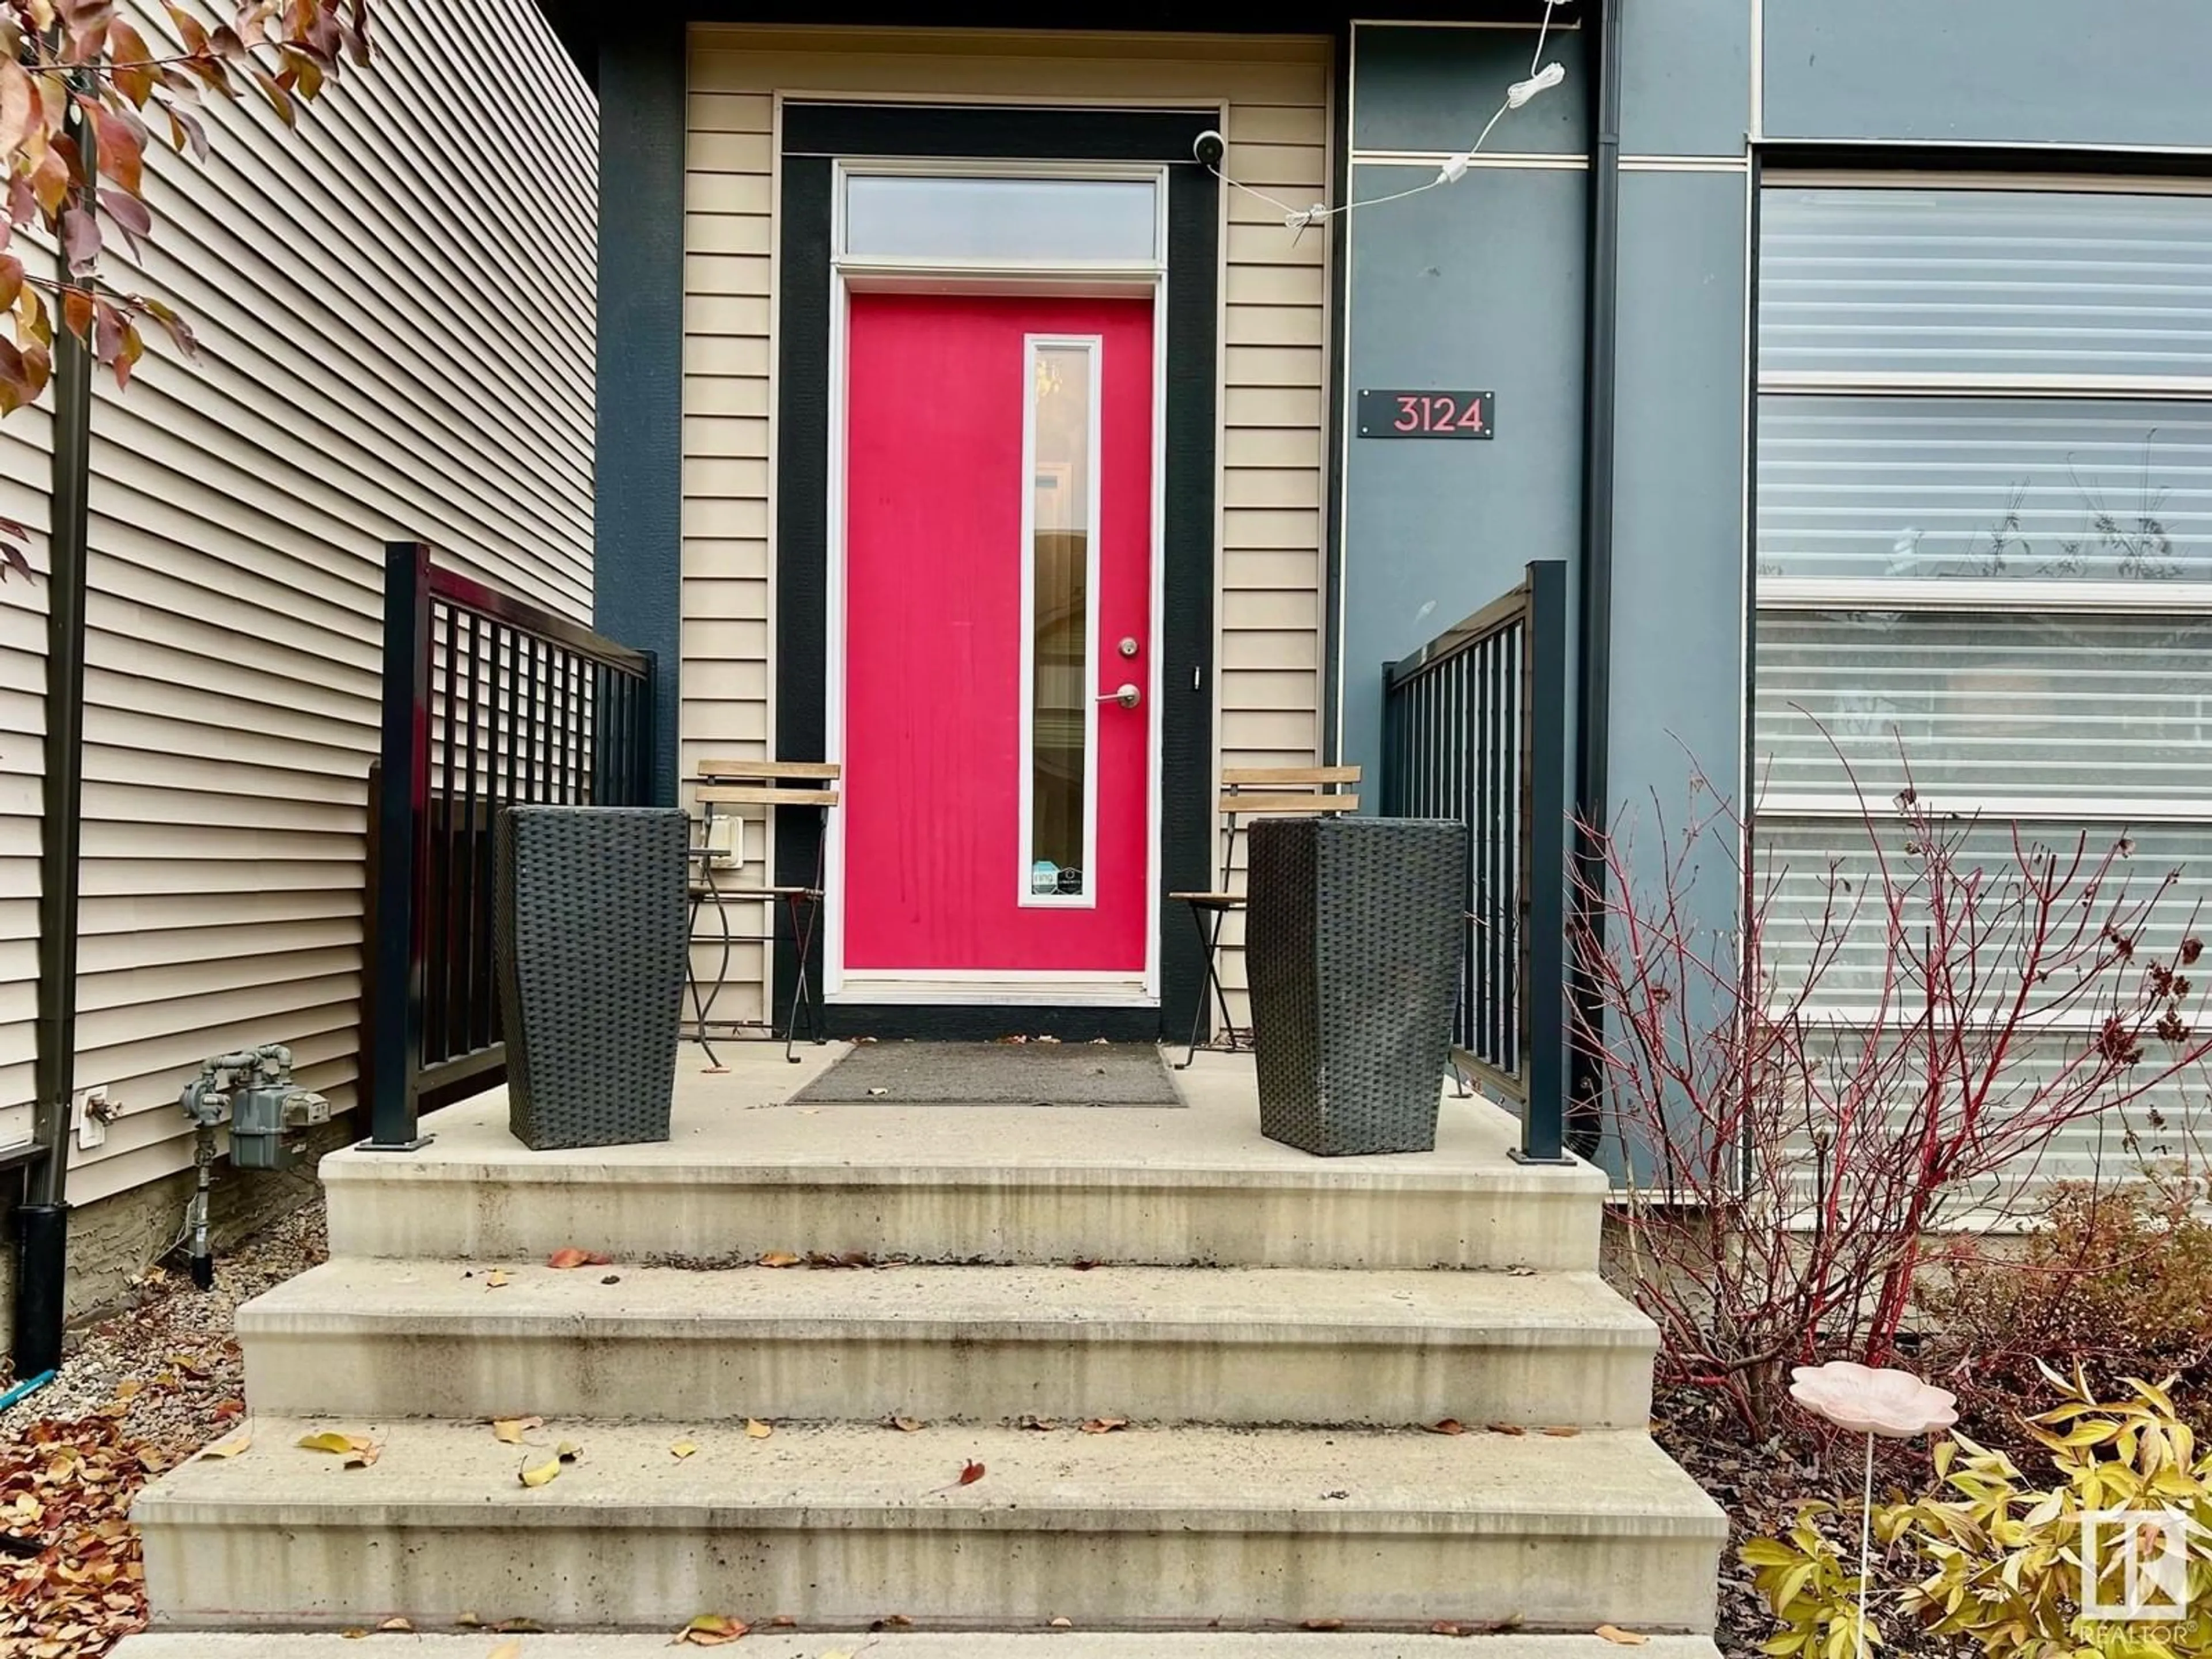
(81, 92)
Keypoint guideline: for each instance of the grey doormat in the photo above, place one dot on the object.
(996, 1075)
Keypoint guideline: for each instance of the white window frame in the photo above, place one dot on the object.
(1074, 279)
(1093, 347)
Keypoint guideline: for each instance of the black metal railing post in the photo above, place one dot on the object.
(1544, 839)
(395, 945)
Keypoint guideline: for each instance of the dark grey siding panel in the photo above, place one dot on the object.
(641, 344)
(1678, 526)
(1989, 71)
(1678, 611)
(1477, 287)
(1431, 89)
(1686, 77)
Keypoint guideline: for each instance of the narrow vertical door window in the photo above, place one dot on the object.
(1060, 544)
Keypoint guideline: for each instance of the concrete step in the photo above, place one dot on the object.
(840, 1526)
(745, 1176)
(916, 1645)
(375, 1338)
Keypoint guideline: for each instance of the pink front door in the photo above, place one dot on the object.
(998, 643)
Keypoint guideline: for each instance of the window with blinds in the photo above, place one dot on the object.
(1983, 540)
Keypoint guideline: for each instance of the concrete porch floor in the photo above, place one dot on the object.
(747, 1114)
(747, 1170)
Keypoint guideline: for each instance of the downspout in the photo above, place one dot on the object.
(1594, 640)
(42, 1221)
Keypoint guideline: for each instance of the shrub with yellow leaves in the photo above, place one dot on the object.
(2001, 1561)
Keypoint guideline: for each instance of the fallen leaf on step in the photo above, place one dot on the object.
(567, 1451)
(712, 1630)
(1563, 1431)
(756, 1429)
(470, 1621)
(683, 1449)
(878, 1089)
(1105, 1424)
(358, 1450)
(1521, 1270)
(542, 1473)
(1043, 1425)
(1445, 1627)
(892, 1621)
(1449, 1425)
(573, 1257)
(507, 1651)
(1062, 1623)
(1623, 1638)
(519, 1626)
(510, 1429)
(356, 1634)
(1323, 1624)
(779, 1258)
(781, 1621)
(231, 1447)
(1507, 1428)
(907, 1424)
(970, 1472)
(496, 1278)
(396, 1623)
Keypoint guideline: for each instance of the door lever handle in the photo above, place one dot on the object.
(1127, 696)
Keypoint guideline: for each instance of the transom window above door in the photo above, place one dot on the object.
(987, 219)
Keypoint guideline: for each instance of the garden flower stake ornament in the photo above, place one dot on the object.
(1893, 1404)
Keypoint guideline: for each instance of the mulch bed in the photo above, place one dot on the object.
(1761, 1487)
(139, 1391)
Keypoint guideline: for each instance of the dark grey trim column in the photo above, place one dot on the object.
(637, 583)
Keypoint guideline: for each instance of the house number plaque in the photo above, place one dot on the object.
(1426, 414)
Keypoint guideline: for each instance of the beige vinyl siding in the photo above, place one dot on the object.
(1274, 93)
(26, 444)
(395, 305)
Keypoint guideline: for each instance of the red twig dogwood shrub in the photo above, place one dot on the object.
(1879, 1048)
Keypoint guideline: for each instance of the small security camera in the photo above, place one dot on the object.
(1210, 148)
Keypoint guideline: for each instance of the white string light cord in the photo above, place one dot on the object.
(1539, 79)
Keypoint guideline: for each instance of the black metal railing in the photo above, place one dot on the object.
(488, 701)
(1475, 728)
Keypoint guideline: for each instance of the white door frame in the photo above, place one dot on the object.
(1074, 280)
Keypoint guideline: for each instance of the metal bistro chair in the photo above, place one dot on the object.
(724, 786)
(1253, 792)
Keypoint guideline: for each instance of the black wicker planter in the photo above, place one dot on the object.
(591, 933)
(1353, 949)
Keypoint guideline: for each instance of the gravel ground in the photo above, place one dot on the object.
(172, 1328)
(138, 1392)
